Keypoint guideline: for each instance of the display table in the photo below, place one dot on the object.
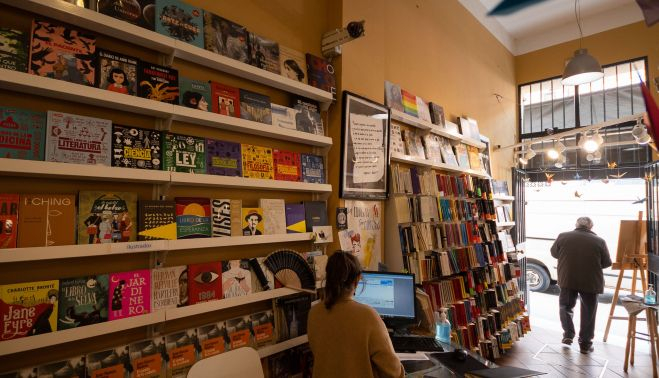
(441, 364)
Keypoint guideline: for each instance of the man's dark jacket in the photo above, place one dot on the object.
(581, 257)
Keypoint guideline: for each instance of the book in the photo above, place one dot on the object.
(257, 162)
(263, 53)
(274, 216)
(313, 168)
(82, 301)
(413, 144)
(283, 116)
(181, 21)
(204, 282)
(287, 165)
(157, 220)
(293, 64)
(157, 82)
(423, 112)
(461, 155)
(226, 99)
(72, 138)
(432, 147)
(193, 217)
(315, 214)
(447, 152)
(225, 37)
(320, 73)
(106, 217)
(13, 50)
(9, 204)
(194, 94)
(236, 278)
(295, 218)
(263, 326)
(184, 153)
(213, 339)
(307, 118)
(116, 72)
(291, 316)
(28, 372)
(239, 332)
(129, 294)
(437, 114)
(223, 158)
(236, 217)
(396, 145)
(474, 158)
(71, 368)
(134, 147)
(28, 309)
(392, 96)
(252, 221)
(22, 134)
(169, 287)
(255, 107)
(409, 103)
(137, 12)
(112, 362)
(46, 220)
(182, 350)
(221, 221)
(149, 357)
(61, 52)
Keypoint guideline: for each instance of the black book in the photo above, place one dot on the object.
(138, 12)
(157, 82)
(134, 147)
(315, 214)
(307, 118)
(153, 215)
(255, 107)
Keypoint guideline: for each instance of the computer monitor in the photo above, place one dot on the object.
(390, 294)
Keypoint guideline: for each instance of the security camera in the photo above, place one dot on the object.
(332, 40)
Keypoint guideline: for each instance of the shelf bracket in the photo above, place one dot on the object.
(167, 59)
(164, 124)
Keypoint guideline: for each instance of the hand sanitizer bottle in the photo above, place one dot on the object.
(442, 327)
(650, 296)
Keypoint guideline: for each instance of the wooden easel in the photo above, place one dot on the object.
(631, 255)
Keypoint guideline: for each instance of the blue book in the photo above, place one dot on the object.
(223, 158)
(180, 21)
(22, 134)
(313, 168)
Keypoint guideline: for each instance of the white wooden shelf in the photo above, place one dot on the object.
(280, 347)
(500, 197)
(505, 224)
(435, 129)
(174, 245)
(124, 31)
(180, 178)
(436, 165)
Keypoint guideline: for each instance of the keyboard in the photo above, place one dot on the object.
(415, 344)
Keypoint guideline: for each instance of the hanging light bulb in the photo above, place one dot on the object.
(583, 67)
(597, 156)
(530, 154)
(590, 145)
(553, 153)
(640, 133)
(590, 156)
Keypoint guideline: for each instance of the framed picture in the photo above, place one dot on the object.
(364, 148)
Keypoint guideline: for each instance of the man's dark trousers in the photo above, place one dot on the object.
(567, 299)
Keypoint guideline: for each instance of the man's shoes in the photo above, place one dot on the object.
(585, 349)
(567, 341)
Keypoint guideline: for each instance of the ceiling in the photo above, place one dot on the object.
(551, 22)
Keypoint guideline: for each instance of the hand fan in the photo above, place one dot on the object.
(292, 270)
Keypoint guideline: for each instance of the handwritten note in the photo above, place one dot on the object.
(367, 135)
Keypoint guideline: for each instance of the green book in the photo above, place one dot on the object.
(184, 153)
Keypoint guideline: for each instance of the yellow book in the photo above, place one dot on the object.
(257, 162)
(28, 309)
(252, 221)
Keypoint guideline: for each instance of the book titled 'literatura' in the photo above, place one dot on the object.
(47, 220)
(28, 309)
(72, 138)
(82, 301)
(22, 134)
(133, 147)
(193, 217)
(184, 153)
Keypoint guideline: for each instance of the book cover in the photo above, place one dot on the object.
(106, 217)
(213, 339)
(184, 153)
(149, 357)
(321, 74)
(274, 216)
(313, 168)
(263, 53)
(308, 117)
(432, 147)
(291, 316)
(157, 220)
(134, 147)
(22, 134)
(116, 72)
(61, 52)
(236, 217)
(110, 363)
(409, 103)
(137, 12)
(71, 368)
(437, 114)
(72, 138)
(157, 82)
(225, 37)
(392, 96)
(9, 204)
(28, 372)
(447, 152)
(474, 158)
(263, 327)
(221, 221)
(295, 218)
(13, 50)
(287, 165)
(239, 332)
(82, 301)
(257, 162)
(396, 139)
(283, 116)
(226, 99)
(422, 109)
(169, 287)
(182, 348)
(28, 309)
(315, 214)
(181, 21)
(293, 64)
(462, 156)
(252, 221)
(195, 94)
(129, 294)
(413, 144)
(255, 107)
(223, 158)
(47, 220)
(204, 282)
(236, 278)
(193, 217)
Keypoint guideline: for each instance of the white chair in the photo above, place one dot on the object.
(239, 363)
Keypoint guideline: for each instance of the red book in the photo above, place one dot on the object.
(287, 165)
(226, 99)
(8, 220)
(204, 282)
(460, 314)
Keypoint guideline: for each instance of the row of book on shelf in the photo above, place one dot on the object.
(425, 181)
(173, 354)
(45, 220)
(66, 53)
(69, 138)
(428, 208)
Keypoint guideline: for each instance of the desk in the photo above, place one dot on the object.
(434, 368)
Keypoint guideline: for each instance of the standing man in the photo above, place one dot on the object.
(581, 257)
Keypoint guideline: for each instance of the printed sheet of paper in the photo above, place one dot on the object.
(367, 135)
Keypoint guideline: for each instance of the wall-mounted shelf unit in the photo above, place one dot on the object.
(436, 165)
(503, 225)
(503, 198)
(191, 179)
(280, 347)
(427, 126)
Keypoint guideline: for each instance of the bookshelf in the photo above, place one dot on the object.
(427, 126)
(280, 347)
(436, 165)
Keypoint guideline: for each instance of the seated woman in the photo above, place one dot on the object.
(347, 338)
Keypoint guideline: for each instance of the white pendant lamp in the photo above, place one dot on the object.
(583, 67)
